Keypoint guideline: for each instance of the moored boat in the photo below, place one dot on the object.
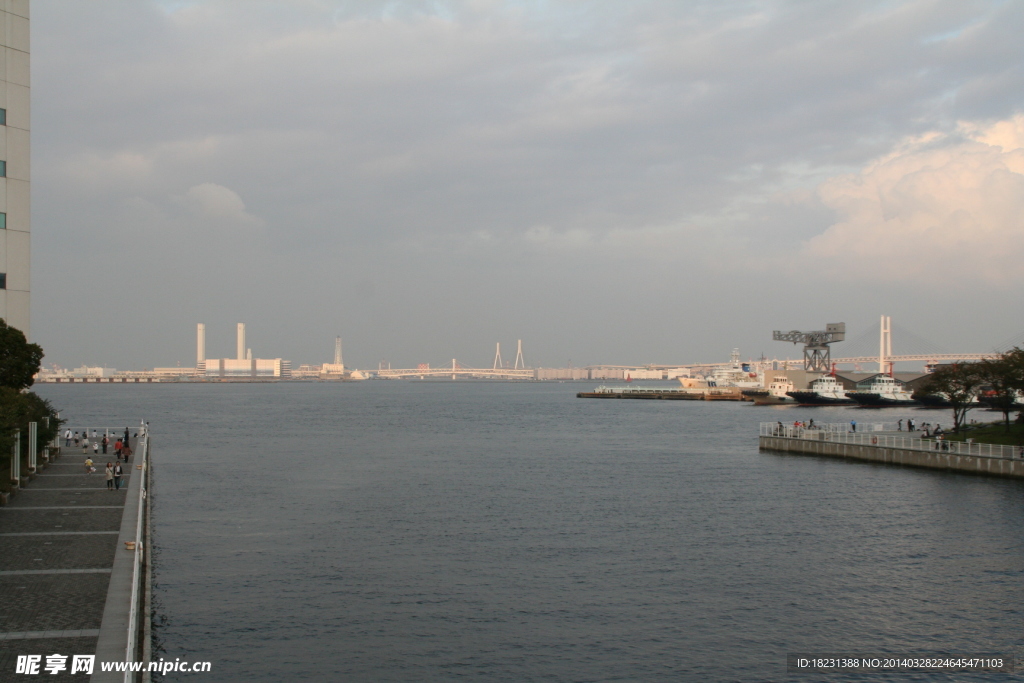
(824, 391)
(776, 394)
(884, 392)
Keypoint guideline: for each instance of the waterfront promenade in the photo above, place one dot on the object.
(882, 443)
(70, 582)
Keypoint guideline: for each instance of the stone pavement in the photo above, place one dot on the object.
(58, 540)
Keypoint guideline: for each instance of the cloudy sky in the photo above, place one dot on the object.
(611, 182)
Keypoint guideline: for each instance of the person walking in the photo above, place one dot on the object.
(95, 448)
(118, 473)
(67, 438)
(899, 425)
(117, 448)
(76, 439)
(110, 477)
(89, 469)
(105, 442)
(85, 444)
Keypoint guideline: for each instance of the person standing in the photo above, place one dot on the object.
(110, 477)
(853, 425)
(117, 448)
(85, 443)
(899, 425)
(118, 473)
(76, 439)
(67, 437)
(105, 442)
(95, 448)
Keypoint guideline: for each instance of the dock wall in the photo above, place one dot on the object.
(123, 629)
(938, 460)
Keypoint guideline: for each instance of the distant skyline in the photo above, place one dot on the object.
(617, 183)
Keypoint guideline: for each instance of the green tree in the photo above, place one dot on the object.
(1005, 376)
(19, 360)
(959, 383)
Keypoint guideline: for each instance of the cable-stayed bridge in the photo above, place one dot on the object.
(456, 369)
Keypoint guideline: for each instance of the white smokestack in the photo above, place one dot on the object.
(200, 344)
(240, 355)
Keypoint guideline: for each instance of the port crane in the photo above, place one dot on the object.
(817, 357)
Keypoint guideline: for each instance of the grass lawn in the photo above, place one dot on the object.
(993, 432)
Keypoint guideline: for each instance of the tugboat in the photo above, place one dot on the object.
(884, 392)
(824, 391)
(777, 393)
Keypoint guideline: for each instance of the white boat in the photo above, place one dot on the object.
(824, 391)
(736, 374)
(882, 393)
(777, 393)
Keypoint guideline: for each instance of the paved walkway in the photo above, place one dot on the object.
(58, 540)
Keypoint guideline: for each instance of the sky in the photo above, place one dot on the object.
(618, 183)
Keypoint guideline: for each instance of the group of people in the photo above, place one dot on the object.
(911, 425)
(925, 428)
(121, 446)
(122, 449)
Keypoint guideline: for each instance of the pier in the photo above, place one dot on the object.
(75, 568)
(667, 394)
(881, 442)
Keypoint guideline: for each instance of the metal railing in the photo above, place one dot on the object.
(903, 440)
(133, 625)
(834, 427)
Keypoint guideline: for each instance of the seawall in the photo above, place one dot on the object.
(931, 459)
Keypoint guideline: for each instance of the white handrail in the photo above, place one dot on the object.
(143, 446)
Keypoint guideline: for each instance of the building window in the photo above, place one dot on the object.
(3, 117)
(3, 221)
(3, 280)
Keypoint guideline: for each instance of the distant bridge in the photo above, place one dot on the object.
(456, 371)
(924, 357)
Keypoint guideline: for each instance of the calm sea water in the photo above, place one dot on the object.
(412, 531)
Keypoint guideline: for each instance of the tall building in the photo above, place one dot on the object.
(15, 243)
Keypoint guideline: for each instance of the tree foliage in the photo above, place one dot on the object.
(959, 383)
(1005, 379)
(19, 360)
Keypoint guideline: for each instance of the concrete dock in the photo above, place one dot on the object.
(69, 582)
(894, 448)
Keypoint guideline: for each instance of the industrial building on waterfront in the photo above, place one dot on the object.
(15, 220)
(242, 366)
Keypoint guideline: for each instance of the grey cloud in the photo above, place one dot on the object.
(477, 152)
